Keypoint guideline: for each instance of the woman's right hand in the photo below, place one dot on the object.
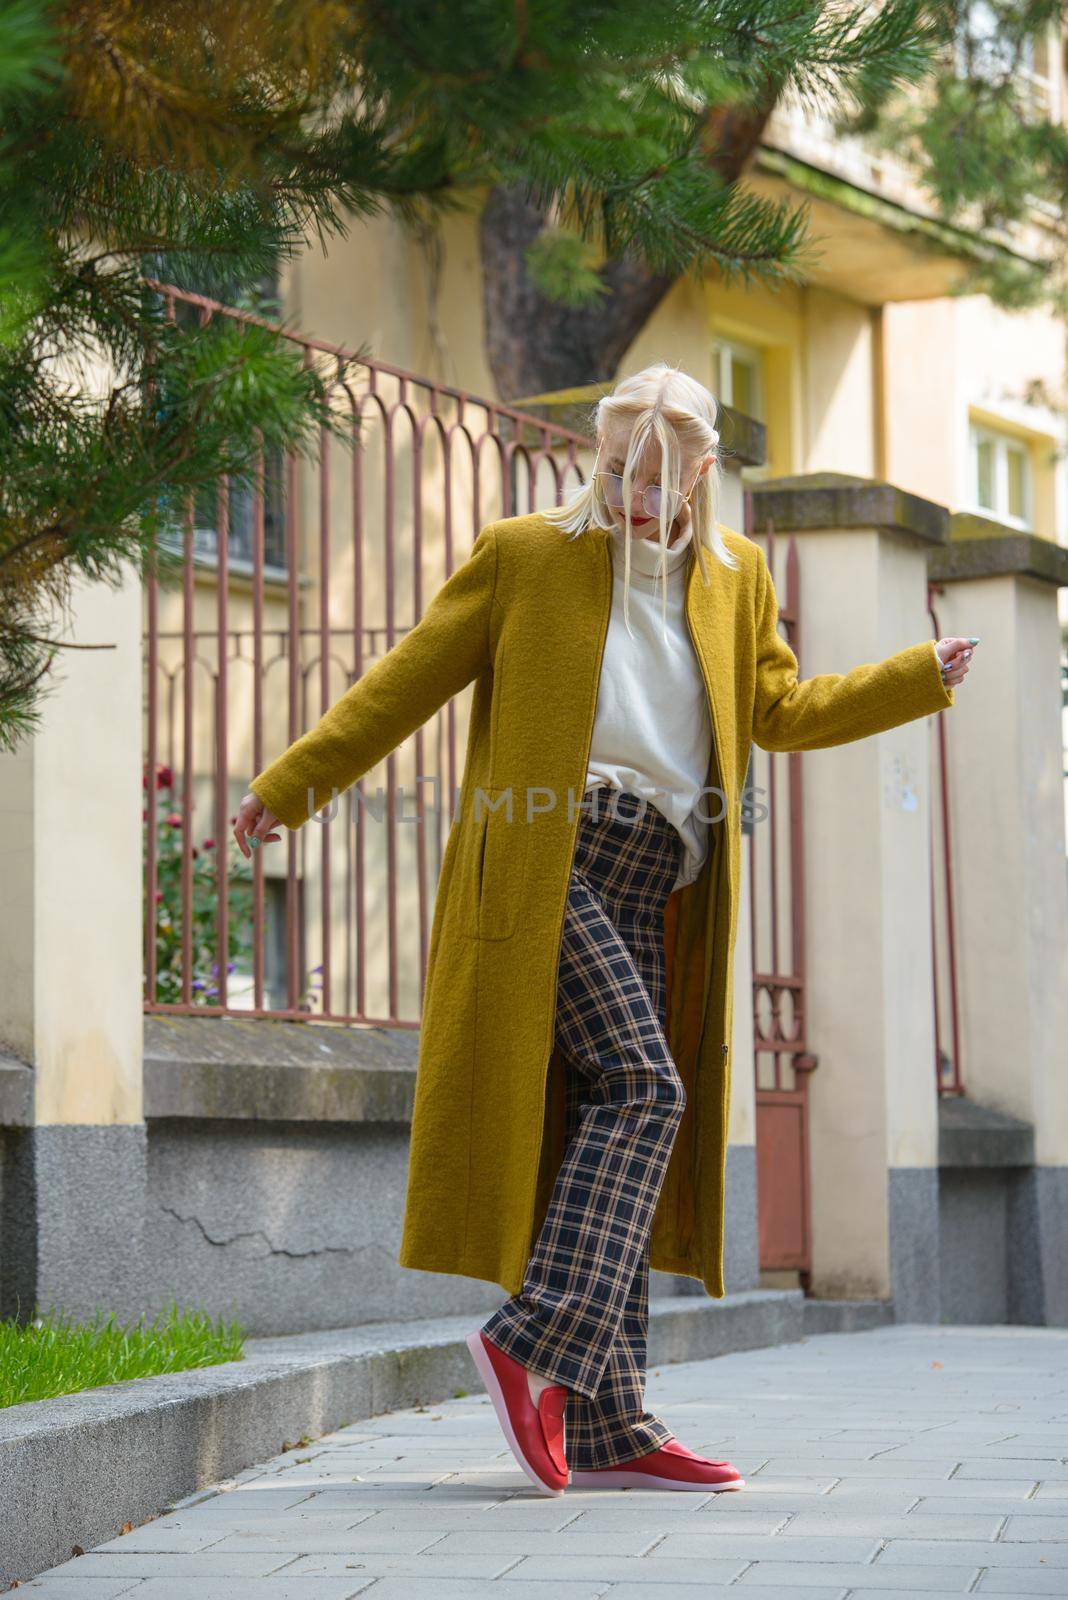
(254, 820)
(955, 656)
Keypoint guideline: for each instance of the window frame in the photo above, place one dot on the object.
(1002, 442)
(1043, 82)
(724, 350)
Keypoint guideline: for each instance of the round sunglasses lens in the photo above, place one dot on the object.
(612, 485)
(612, 488)
(653, 497)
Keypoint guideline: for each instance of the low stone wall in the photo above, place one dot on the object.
(1003, 1221)
(266, 1183)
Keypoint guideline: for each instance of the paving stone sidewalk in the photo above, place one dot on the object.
(902, 1461)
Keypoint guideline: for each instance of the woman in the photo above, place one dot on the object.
(571, 1105)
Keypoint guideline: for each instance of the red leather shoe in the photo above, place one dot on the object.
(673, 1466)
(535, 1433)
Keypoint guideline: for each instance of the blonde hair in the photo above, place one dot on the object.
(660, 404)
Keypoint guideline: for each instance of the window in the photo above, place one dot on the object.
(736, 377)
(240, 519)
(984, 46)
(264, 294)
(240, 986)
(1001, 476)
(990, 45)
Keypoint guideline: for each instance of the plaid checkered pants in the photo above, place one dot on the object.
(582, 1316)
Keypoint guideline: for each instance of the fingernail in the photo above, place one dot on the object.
(253, 843)
(973, 641)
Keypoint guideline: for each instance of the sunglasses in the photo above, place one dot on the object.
(653, 496)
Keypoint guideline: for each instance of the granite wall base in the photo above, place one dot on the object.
(741, 1255)
(291, 1226)
(294, 1226)
(72, 1227)
(915, 1265)
(1005, 1245)
(287, 1226)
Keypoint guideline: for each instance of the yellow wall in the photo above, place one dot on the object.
(772, 321)
(950, 360)
(835, 397)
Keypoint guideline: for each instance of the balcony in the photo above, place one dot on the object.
(876, 233)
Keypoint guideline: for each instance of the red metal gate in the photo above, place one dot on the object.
(781, 1057)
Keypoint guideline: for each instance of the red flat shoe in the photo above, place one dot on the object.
(535, 1433)
(673, 1466)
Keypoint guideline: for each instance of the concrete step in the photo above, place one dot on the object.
(846, 1316)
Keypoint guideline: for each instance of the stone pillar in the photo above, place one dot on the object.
(70, 949)
(864, 549)
(1010, 904)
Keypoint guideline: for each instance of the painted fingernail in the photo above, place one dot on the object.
(973, 641)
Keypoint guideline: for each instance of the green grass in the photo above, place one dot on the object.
(54, 1355)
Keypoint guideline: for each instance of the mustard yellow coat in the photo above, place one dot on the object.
(525, 618)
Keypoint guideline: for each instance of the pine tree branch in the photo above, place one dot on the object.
(55, 644)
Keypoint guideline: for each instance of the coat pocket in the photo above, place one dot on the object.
(503, 844)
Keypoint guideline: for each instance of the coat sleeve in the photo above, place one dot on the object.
(835, 708)
(446, 649)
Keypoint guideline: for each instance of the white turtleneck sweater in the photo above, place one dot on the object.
(652, 734)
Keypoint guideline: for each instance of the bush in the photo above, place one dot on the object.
(167, 918)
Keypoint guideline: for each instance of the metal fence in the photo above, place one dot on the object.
(287, 596)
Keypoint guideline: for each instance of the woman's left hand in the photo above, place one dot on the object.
(955, 656)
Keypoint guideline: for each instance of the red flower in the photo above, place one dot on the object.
(164, 777)
(174, 820)
(159, 896)
(209, 844)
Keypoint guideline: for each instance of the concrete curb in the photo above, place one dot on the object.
(846, 1316)
(73, 1470)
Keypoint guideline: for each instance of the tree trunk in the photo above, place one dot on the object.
(535, 345)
